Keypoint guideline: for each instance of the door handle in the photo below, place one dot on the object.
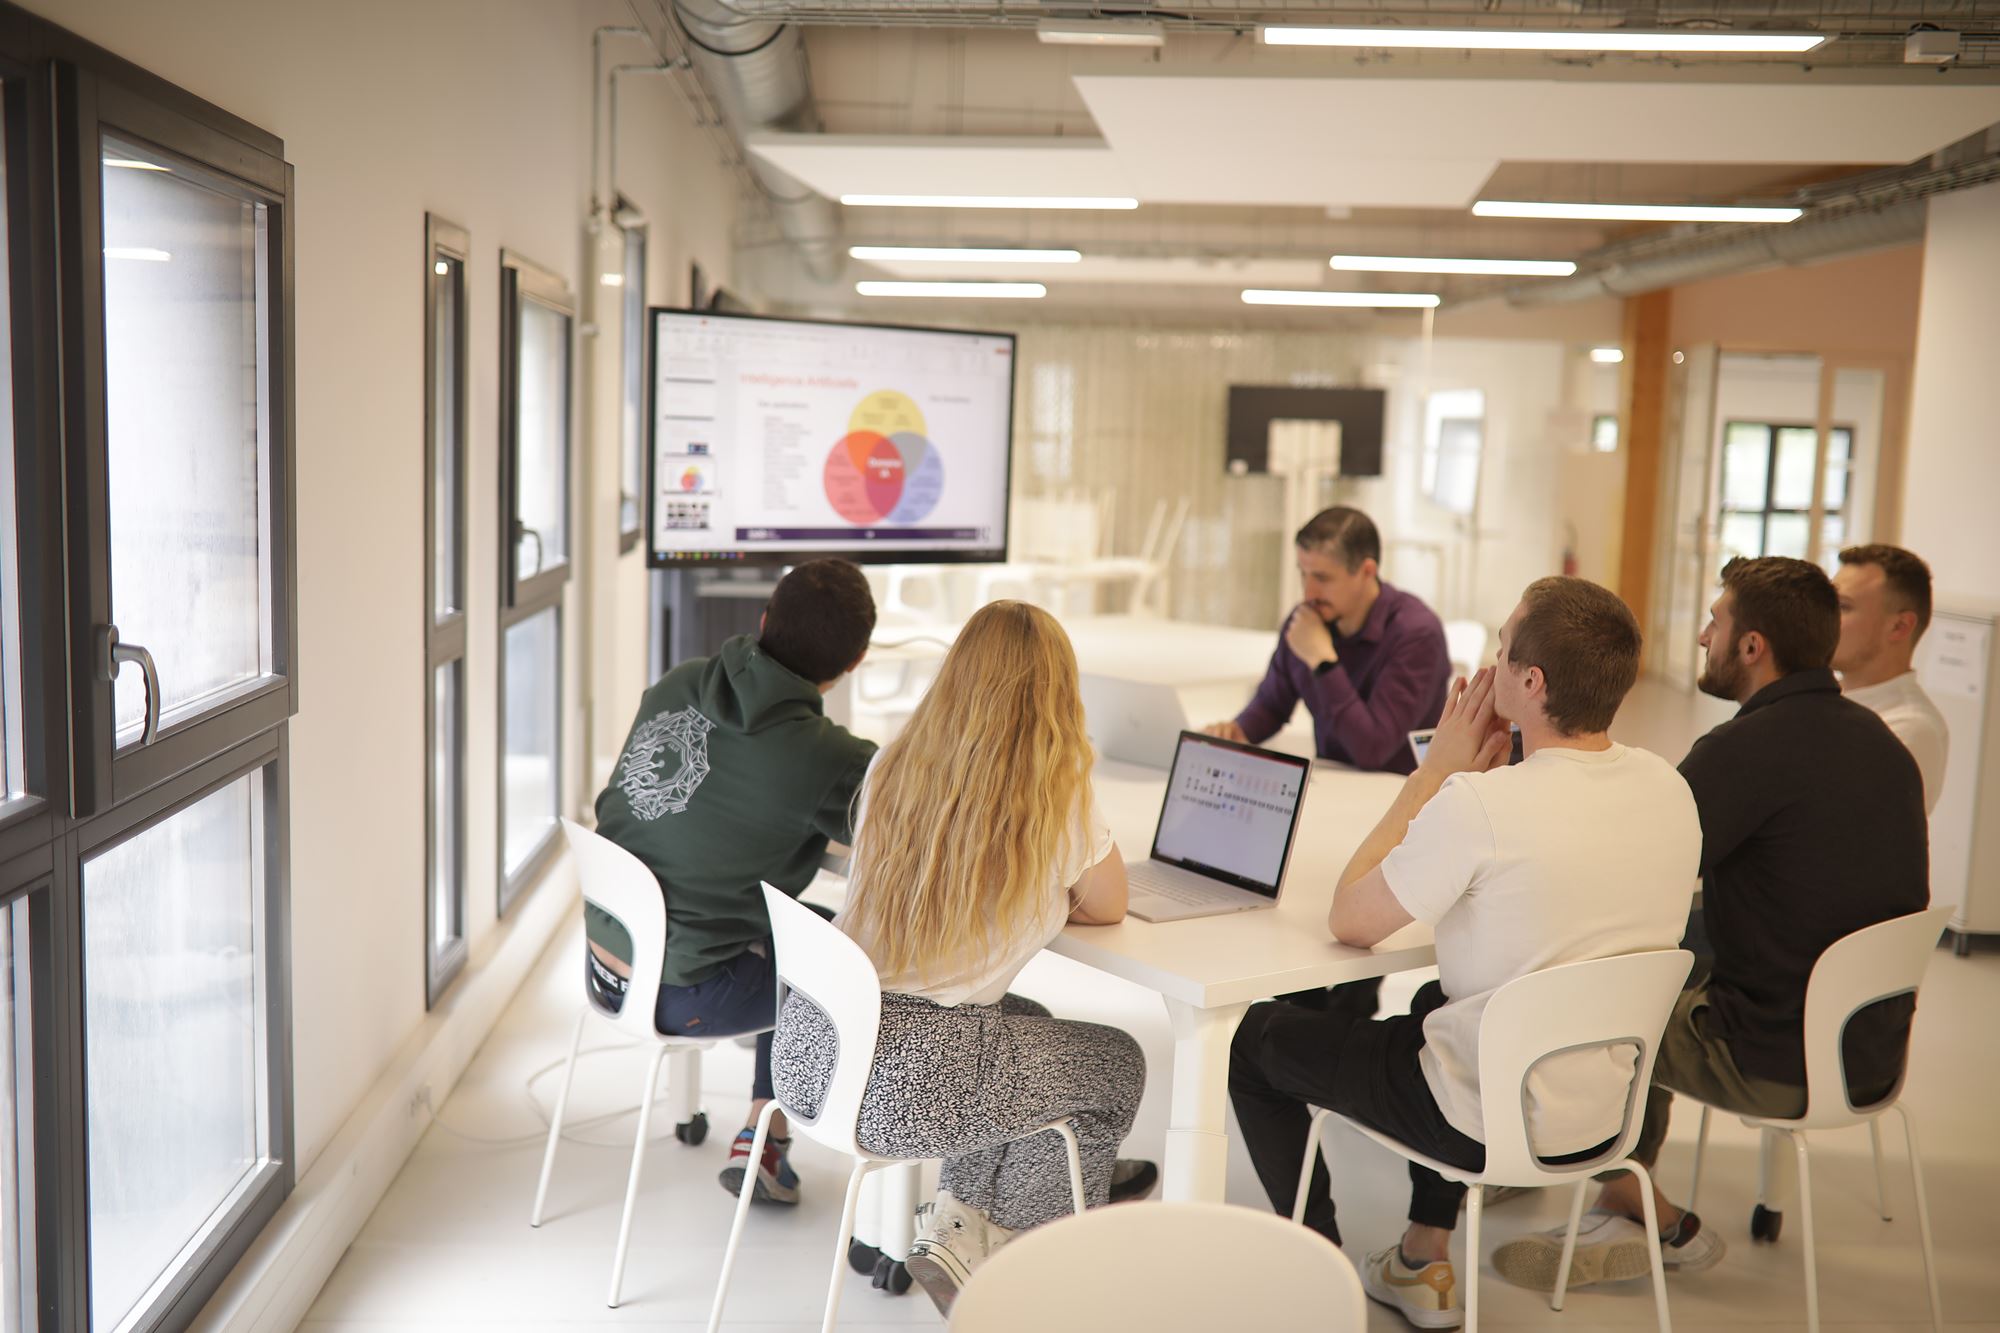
(111, 655)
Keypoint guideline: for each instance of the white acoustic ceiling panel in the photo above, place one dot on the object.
(1180, 271)
(837, 164)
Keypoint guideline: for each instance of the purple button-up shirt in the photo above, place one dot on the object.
(1390, 680)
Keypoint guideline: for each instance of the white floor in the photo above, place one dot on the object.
(450, 1247)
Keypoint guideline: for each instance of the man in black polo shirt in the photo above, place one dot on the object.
(1813, 827)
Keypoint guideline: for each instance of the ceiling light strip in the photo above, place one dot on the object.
(1346, 300)
(985, 201)
(1519, 208)
(1519, 268)
(940, 254)
(1006, 291)
(1498, 39)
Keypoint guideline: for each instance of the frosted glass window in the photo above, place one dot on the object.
(448, 445)
(447, 901)
(1839, 467)
(533, 685)
(1792, 480)
(1604, 433)
(174, 1029)
(1832, 536)
(632, 425)
(1746, 465)
(185, 386)
(1787, 535)
(1742, 534)
(17, 1123)
(541, 476)
(1454, 433)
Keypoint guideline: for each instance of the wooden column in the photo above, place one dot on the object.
(1641, 424)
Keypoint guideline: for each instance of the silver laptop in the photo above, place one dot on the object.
(1420, 744)
(1225, 832)
(1132, 721)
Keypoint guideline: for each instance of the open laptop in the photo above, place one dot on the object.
(1420, 744)
(1225, 833)
(1132, 721)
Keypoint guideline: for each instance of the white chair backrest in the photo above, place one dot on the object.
(1164, 1268)
(1872, 964)
(817, 960)
(620, 883)
(1604, 1002)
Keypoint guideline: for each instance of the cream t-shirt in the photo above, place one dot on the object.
(1568, 856)
(984, 983)
(1902, 703)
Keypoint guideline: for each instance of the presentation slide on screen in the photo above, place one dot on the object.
(775, 435)
(1229, 810)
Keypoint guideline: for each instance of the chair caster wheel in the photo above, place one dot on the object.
(862, 1257)
(1765, 1223)
(890, 1275)
(693, 1131)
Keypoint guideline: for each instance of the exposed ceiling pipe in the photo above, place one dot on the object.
(756, 71)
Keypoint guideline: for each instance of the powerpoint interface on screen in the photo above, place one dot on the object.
(774, 435)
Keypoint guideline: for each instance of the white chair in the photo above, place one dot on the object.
(1622, 1001)
(620, 883)
(831, 970)
(1465, 645)
(1164, 1268)
(1875, 963)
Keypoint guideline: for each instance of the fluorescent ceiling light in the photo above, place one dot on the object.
(1607, 356)
(134, 164)
(1360, 300)
(1498, 39)
(150, 256)
(1055, 32)
(982, 201)
(1514, 208)
(1011, 291)
(1528, 268)
(944, 254)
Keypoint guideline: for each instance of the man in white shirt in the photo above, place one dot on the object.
(1586, 849)
(1885, 607)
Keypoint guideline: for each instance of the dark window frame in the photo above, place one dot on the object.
(523, 280)
(60, 94)
(1817, 502)
(445, 636)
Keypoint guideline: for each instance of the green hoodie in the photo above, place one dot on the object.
(732, 774)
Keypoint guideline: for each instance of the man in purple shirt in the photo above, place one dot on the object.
(1367, 659)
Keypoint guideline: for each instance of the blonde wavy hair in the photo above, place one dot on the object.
(972, 807)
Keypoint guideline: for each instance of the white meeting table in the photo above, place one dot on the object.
(1211, 969)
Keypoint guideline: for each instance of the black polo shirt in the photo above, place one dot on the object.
(1812, 827)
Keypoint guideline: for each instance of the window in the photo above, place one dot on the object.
(632, 418)
(1454, 433)
(536, 315)
(1767, 488)
(1604, 433)
(148, 650)
(446, 250)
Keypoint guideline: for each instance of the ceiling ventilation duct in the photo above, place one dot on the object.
(756, 70)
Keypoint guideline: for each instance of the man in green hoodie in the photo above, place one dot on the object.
(733, 775)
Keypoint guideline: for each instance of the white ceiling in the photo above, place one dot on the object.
(1389, 142)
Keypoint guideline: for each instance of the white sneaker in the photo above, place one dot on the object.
(955, 1239)
(1609, 1248)
(1427, 1296)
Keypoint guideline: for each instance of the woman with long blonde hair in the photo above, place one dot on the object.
(977, 838)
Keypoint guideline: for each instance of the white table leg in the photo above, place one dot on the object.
(1197, 1165)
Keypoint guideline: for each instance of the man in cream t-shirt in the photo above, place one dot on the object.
(1885, 607)
(1587, 849)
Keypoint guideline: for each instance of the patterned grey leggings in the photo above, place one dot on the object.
(960, 1082)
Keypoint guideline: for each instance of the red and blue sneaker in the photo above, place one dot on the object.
(776, 1181)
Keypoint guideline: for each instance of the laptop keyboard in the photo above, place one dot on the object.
(1161, 882)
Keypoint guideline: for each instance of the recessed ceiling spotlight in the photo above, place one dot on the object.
(1526, 268)
(1105, 32)
(1007, 291)
(946, 254)
(1499, 39)
(1517, 208)
(1349, 300)
(985, 201)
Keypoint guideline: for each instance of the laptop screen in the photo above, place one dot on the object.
(1230, 811)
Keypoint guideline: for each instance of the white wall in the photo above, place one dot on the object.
(1952, 473)
(478, 110)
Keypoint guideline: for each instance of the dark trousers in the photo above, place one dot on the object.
(1288, 1058)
